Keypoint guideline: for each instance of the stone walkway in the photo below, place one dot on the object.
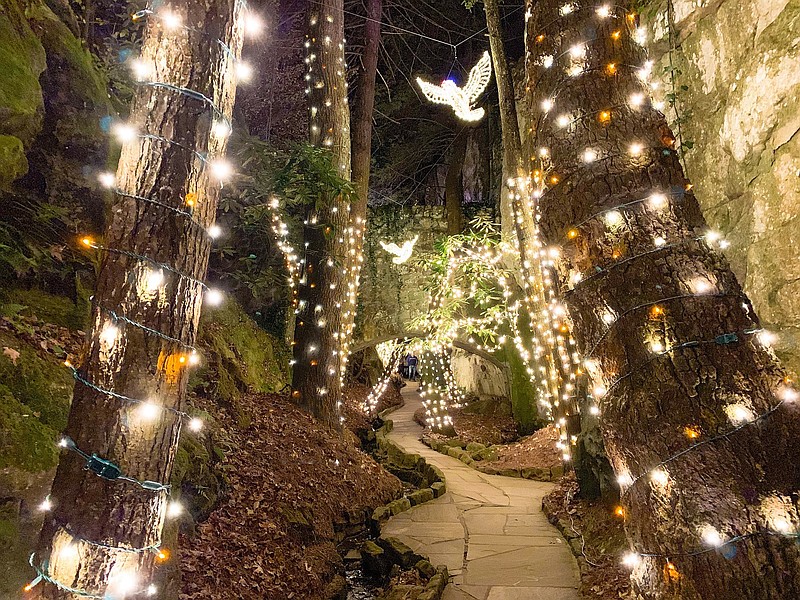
(489, 530)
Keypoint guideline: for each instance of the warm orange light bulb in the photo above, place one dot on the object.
(87, 241)
(616, 35)
(691, 432)
(605, 116)
(656, 311)
(671, 571)
(191, 199)
(619, 511)
(572, 234)
(554, 179)
(611, 68)
(28, 587)
(163, 554)
(540, 38)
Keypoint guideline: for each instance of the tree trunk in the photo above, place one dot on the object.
(326, 295)
(664, 326)
(143, 328)
(362, 155)
(546, 349)
(454, 184)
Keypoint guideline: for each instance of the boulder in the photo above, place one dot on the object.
(421, 496)
(425, 569)
(398, 553)
(399, 505)
(438, 488)
(374, 559)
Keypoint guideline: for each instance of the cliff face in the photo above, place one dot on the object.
(737, 86)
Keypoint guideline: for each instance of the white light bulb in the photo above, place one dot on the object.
(782, 525)
(599, 391)
(214, 297)
(195, 424)
(739, 414)
(244, 72)
(194, 358)
(214, 232)
(171, 20)
(547, 104)
(788, 394)
(566, 9)
(711, 536)
(68, 551)
(46, 504)
(221, 169)
(577, 51)
(220, 129)
(563, 120)
(603, 11)
(174, 509)
(700, 285)
(142, 70)
(636, 100)
(589, 155)
(124, 132)
(613, 218)
(253, 25)
(657, 201)
(635, 149)
(659, 241)
(595, 410)
(154, 279)
(107, 179)
(109, 334)
(766, 338)
(152, 590)
(659, 477)
(631, 559)
(149, 410)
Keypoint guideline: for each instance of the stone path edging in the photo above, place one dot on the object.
(468, 458)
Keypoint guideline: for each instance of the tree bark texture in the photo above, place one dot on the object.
(325, 292)
(454, 184)
(647, 314)
(163, 165)
(362, 155)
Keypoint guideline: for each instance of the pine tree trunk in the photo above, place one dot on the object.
(648, 282)
(454, 184)
(140, 363)
(326, 295)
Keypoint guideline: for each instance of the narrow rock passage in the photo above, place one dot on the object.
(489, 530)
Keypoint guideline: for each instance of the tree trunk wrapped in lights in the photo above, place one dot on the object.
(547, 346)
(698, 421)
(362, 155)
(103, 535)
(326, 294)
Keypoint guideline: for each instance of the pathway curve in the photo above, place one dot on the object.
(489, 530)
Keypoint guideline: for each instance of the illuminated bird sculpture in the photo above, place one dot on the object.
(401, 253)
(461, 99)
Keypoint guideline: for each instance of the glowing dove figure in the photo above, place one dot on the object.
(461, 99)
(401, 253)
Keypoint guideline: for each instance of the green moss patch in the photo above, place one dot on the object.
(241, 356)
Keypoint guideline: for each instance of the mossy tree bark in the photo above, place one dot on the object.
(138, 363)
(326, 294)
(658, 285)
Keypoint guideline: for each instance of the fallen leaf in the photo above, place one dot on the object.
(12, 354)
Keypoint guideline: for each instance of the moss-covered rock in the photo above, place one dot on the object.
(241, 356)
(22, 60)
(13, 162)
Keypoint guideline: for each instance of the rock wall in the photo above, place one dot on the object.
(738, 61)
(479, 377)
(391, 295)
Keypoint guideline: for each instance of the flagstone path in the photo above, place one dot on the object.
(489, 530)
